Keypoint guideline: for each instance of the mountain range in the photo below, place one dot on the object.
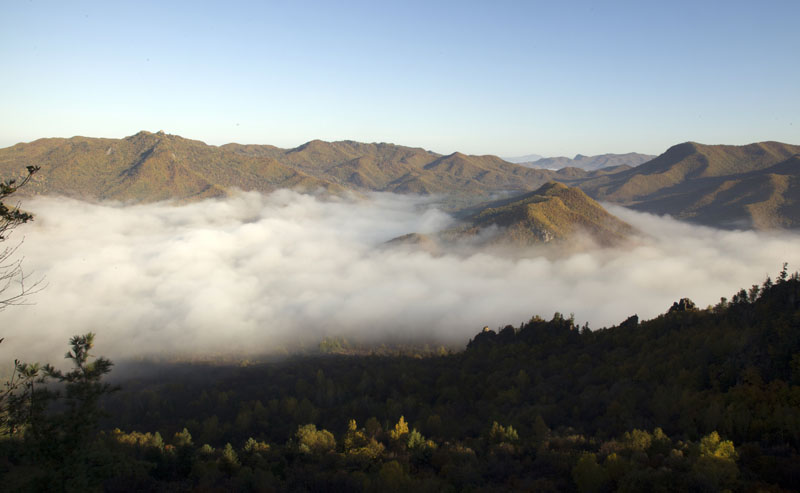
(589, 163)
(753, 186)
(527, 158)
(157, 166)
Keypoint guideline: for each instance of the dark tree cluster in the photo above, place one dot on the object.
(693, 400)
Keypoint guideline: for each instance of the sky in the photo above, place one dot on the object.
(505, 78)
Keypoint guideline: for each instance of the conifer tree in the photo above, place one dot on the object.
(11, 270)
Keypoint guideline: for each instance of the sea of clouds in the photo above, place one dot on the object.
(262, 274)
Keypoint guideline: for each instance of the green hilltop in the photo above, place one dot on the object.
(554, 212)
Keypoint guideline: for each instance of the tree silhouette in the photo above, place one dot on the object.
(11, 270)
(83, 390)
(17, 398)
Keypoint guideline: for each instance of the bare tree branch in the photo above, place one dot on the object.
(14, 283)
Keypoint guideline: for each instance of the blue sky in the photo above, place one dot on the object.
(500, 77)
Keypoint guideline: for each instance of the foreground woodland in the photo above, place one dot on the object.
(693, 400)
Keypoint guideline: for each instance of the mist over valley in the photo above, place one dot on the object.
(260, 274)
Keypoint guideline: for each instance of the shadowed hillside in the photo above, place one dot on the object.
(752, 186)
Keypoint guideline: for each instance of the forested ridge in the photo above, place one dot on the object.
(693, 400)
(726, 186)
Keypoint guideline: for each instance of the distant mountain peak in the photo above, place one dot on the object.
(591, 163)
(551, 187)
(310, 145)
(528, 158)
(146, 136)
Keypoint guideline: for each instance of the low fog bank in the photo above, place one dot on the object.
(256, 274)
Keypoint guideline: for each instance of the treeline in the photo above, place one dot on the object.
(693, 400)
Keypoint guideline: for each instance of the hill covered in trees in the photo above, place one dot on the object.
(552, 213)
(752, 186)
(149, 166)
(693, 400)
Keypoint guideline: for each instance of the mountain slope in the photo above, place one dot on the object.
(752, 186)
(147, 167)
(393, 168)
(554, 212)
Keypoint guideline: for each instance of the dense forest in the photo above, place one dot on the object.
(693, 400)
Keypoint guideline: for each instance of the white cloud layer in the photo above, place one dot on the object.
(255, 274)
